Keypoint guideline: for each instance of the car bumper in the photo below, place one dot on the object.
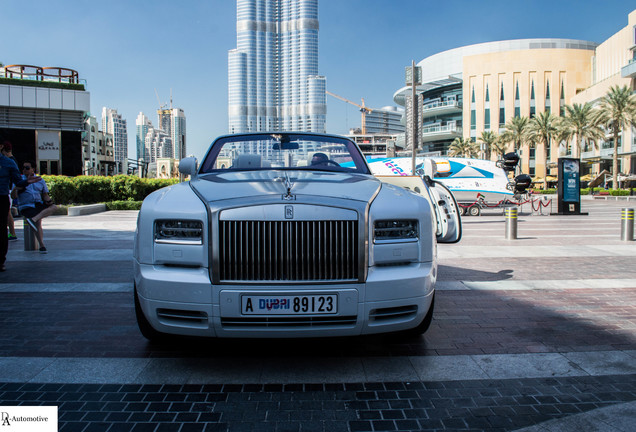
(183, 301)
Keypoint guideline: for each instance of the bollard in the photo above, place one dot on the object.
(627, 224)
(30, 239)
(511, 223)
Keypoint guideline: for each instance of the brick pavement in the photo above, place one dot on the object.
(493, 360)
(494, 405)
(466, 322)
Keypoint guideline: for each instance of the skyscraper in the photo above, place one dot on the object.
(143, 124)
(173, 122)
(115, 125)
(273, 79)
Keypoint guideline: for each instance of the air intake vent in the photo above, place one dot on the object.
(295, 322)
(396, 313)
(288, 250)
(182, 317)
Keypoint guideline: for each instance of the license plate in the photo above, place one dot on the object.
(289, 305)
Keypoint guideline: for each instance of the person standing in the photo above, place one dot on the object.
(9, 174)
(34, 202)
(7, 150)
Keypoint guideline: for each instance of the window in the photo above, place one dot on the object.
(533, 109)
(473, 112)
(517, 103)
(487, 110)
(502, 109)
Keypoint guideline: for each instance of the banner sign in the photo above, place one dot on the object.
(571, 181)
(48, 145)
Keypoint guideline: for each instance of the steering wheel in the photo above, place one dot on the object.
(329, 162)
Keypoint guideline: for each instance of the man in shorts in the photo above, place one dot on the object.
(34, 202)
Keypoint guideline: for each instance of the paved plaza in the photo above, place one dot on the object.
(537, 333)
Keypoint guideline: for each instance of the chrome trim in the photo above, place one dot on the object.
(329, 204)
(179, 242)
(288, 251)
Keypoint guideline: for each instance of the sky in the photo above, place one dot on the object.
(128, 51)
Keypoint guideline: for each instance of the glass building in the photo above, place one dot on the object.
(273, 80)
(114, 124)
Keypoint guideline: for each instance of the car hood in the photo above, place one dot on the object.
(244, 184)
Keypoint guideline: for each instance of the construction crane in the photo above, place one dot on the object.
(363, 109)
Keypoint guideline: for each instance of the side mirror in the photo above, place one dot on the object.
(188, 166)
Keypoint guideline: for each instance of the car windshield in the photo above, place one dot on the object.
(284, 151)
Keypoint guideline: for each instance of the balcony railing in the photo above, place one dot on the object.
(438, 132)
(441, 108)
(629, 71)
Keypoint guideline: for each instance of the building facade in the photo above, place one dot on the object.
(477, 88)
(469, 90)
(273, 80)
(97, 150)
(614, 64)
(114, 124)
(178, 133)
(142, 125)
(42, 111)
(386, 120)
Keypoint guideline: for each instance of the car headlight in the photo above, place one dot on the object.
(396, 230)
(179, 231)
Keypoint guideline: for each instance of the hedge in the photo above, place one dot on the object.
(98, 189)
(47, 84)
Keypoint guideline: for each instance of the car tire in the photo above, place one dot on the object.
(474, 211)
(424, 325)
(144, 325)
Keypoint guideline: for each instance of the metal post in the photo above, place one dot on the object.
(30, 238)
(511, 223)
(414, 125)
(627, 224)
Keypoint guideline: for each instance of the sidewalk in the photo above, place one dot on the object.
(539, 331)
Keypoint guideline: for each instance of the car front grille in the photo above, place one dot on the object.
(261, 251)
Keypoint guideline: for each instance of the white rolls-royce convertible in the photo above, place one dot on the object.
(283, 235)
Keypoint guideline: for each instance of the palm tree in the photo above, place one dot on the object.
(489, 139)
(581, 122)
(618, 111)
(516, 130)
(541, 130)
(463, 147)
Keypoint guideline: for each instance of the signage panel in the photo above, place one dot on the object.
(48, 145)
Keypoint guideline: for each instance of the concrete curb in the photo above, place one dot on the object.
(86, 209)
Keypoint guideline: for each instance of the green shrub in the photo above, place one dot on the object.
(619, 192)
(544, 191)
(96, 189)
(62, 189)
(93, 188)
